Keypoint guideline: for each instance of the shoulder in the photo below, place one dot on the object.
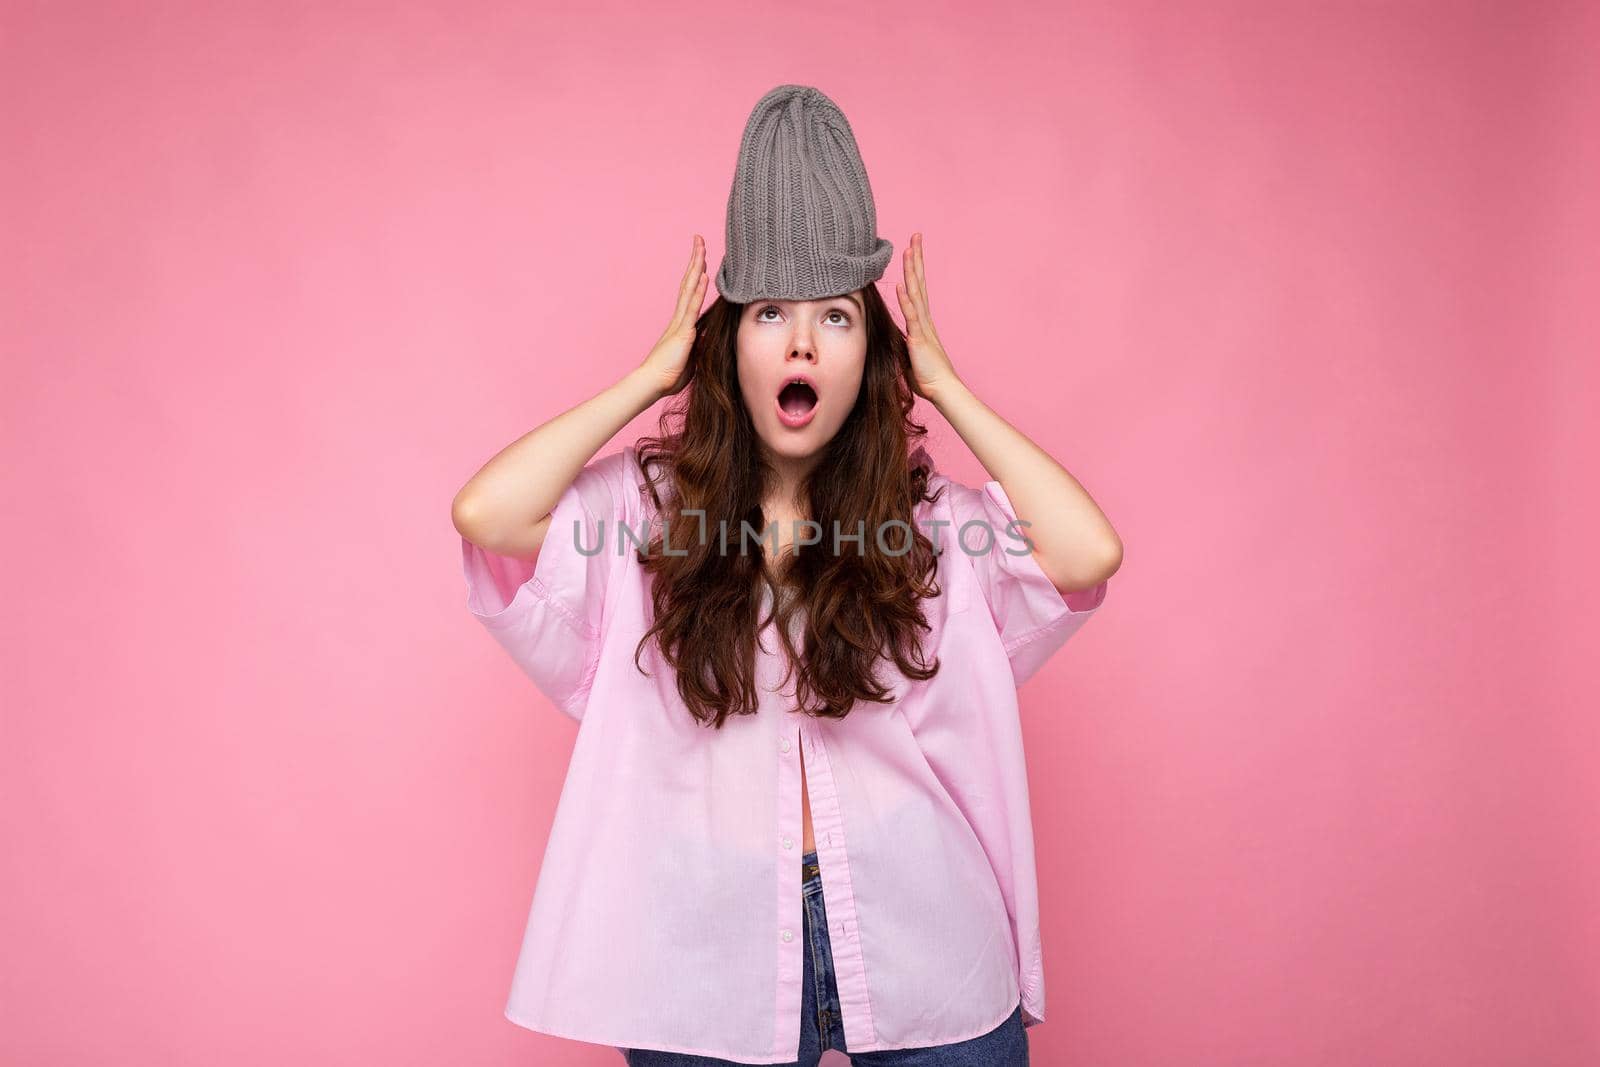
(611, 485)
(625, 478)
(616, 469)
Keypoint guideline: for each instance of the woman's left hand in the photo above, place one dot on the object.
(931, 369)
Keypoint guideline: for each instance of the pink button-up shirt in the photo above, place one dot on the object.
(668, 910)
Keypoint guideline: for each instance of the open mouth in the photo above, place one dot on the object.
(797, 402)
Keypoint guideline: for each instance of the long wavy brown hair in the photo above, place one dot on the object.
(860, 606)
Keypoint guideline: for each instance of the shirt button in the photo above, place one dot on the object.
(788, 842)
(785, 744)
(788, 936)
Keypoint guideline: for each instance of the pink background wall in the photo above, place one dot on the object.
(1295, 289)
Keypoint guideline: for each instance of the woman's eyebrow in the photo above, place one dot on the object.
(852, 297)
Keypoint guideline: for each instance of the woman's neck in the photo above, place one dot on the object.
(791, 474)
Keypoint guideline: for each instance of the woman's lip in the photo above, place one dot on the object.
(795, 422)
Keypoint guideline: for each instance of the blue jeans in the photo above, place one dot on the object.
(820, 1027)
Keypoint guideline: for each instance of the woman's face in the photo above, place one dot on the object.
(822, 341)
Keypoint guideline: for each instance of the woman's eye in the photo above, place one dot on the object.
(844, 319)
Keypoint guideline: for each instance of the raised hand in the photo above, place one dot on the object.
(668, 361)
(931, 368)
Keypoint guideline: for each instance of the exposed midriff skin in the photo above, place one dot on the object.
(808, 844)
(808, 840)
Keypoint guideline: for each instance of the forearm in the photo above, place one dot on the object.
(1073, 540)
(504, 503)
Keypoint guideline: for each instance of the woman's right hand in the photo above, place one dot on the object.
(668, 362)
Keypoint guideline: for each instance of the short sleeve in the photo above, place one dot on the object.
(548, 612)
(1033, 617)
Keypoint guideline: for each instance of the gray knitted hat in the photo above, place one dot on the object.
(801, 221)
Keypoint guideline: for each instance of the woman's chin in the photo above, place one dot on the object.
(794, 444)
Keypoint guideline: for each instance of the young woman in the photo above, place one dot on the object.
(788, 641)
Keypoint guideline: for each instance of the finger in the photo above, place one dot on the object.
(908, 271)
(699, 302)
(679, 309)
(688, 271)
(688, 287)
(913, 285)
(697, 263)
(918, 282)
(922, 276)
(684, 284)
(908, 308)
